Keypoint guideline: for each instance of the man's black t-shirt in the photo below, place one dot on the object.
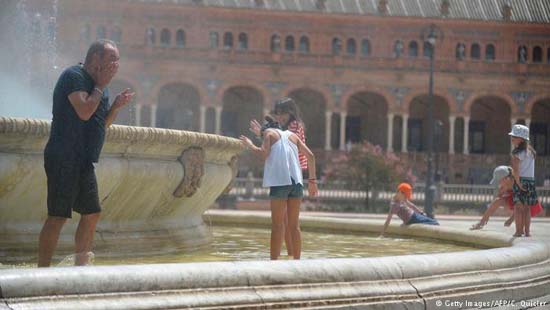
(72, 139)
(94, 129)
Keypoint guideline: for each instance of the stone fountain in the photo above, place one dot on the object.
(154, 186)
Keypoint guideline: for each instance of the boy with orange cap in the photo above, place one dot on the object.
(405, 209)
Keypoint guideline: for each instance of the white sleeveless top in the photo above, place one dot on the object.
(526, 164)
(282, 164)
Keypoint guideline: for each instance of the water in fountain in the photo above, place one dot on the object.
(28, 67)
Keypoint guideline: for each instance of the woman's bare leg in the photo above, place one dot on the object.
(288, 237)
(278, 208)
(527, 221)
(518, 215)
(293, 212)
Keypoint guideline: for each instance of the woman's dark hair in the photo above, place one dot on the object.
(288, 105)
(523, 146)
(269, 123)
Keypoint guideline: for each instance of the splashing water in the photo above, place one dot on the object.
(70, 260)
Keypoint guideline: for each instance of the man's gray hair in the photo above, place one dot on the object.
(98, 47)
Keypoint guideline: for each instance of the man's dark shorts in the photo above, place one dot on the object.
(71, 186)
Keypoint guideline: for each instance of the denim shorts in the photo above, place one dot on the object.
(418, 218)
(286, 191)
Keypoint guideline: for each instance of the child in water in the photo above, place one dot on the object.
(282, 174)
(405, 209)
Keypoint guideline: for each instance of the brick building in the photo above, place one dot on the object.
(359, 70)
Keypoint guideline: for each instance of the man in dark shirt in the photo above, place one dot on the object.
(81, 113)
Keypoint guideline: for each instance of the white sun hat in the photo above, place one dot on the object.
(499, 173)
(520, 131)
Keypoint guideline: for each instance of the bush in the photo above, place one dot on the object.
(367, 167)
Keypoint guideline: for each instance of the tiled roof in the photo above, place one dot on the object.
(534, 11)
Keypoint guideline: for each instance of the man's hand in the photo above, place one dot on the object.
(105, 74)
(123, 99)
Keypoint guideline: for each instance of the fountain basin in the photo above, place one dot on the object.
(515, 270)
(154, 186)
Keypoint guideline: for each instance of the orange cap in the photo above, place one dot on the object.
(406, 189)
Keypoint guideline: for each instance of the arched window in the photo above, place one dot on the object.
(165, 37)
(490, 53)
(351, 47)
(243, 41)
(460, 51)
(36, 29)
(101, 32)
(180, 38)
(537, 54)
(275, 43)
(228, 40)
(523, 54)
(413, 49)
(116, 34)
(365, 47)
(336, 46)
(398, 48)
(150, 36)
(289, 44)
(214, 39)
(427, 49)
(304, 44)
(475, 51)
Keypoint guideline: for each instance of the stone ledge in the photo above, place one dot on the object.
(128, 141)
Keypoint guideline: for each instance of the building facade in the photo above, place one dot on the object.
(359, 70)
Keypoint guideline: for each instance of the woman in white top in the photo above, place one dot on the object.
(282, 174)
(523, 170)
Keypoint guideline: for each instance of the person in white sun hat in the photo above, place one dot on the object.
(503, 180)
(523, 171)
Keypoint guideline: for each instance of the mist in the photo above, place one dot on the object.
(26, 50)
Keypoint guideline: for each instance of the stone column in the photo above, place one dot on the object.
(328, 130)
(452, 119)
(202, 120)
(404, 133)
(466, 133)
(343, 116)
(218, 120)
(153, 115)
(390, 132)
(138, 115)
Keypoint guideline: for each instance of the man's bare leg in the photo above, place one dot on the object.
(84, 237)
(47, 242)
